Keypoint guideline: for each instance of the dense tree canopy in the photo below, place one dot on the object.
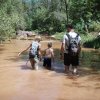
(48, 15)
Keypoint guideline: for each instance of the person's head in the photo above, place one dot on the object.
(69, 27)
(49, 44)
(38, 38)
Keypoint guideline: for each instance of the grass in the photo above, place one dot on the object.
(59, 36)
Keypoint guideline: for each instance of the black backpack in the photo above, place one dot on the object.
(73, 45)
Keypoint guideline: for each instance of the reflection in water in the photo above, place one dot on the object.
(18, 81)
(90, 59)
(87, 58)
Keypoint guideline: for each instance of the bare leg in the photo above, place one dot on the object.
(66, 69)
(32, 63)
(36, 65)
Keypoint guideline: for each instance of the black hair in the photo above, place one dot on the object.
(69, 26)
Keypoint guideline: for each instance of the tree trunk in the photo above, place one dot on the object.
(67, 9)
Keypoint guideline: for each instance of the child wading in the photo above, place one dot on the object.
(49, 56)
(34, 52)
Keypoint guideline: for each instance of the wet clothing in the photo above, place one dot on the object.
(68, 59)
(31, 56)
(35, 57)
(48, 58)
(47, 62)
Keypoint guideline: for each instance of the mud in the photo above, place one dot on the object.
(19, 82)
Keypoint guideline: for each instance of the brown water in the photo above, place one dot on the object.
(19, 82)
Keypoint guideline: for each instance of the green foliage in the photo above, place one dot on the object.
(95, 26)
(90, 59)
(95, 43)
(86, 38)
(49, 16)
(58, 35)
(11, 17)
(48, 21)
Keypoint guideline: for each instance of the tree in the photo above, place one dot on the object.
(11, 17)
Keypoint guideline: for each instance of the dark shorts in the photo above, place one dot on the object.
(31, 56)
(73, 60)
(47, 62)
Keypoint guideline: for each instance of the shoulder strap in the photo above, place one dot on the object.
(77, 35)
(68, 44)
(68, 37)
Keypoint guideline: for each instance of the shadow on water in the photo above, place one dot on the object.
(25, 67)
(89, 62)
(24, 56)
(58, 65)
(90, 59)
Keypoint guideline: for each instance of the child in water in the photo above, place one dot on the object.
(34, 52)
(49, 56)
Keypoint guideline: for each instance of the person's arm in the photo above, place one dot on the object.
(25, 50)
(62, 48)
(79, 45)
(79, 48)
(62, 51)
(63, 44)
(39, 52)
(52, 55)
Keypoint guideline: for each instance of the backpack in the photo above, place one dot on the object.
(34, 48)
(73, 45)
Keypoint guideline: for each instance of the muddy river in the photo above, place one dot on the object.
(19, 82)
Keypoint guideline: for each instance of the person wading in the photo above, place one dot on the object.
(70, 49)
(49, 57)
(34, 52)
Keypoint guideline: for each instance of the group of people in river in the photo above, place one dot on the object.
(70, 50)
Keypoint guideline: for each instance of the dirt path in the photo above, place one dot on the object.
(19, 82)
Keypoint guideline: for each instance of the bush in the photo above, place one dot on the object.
(95, 26)
(11, 18)
(95, 43)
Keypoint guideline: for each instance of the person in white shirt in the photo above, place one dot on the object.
(34, 52)
(69, 57)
